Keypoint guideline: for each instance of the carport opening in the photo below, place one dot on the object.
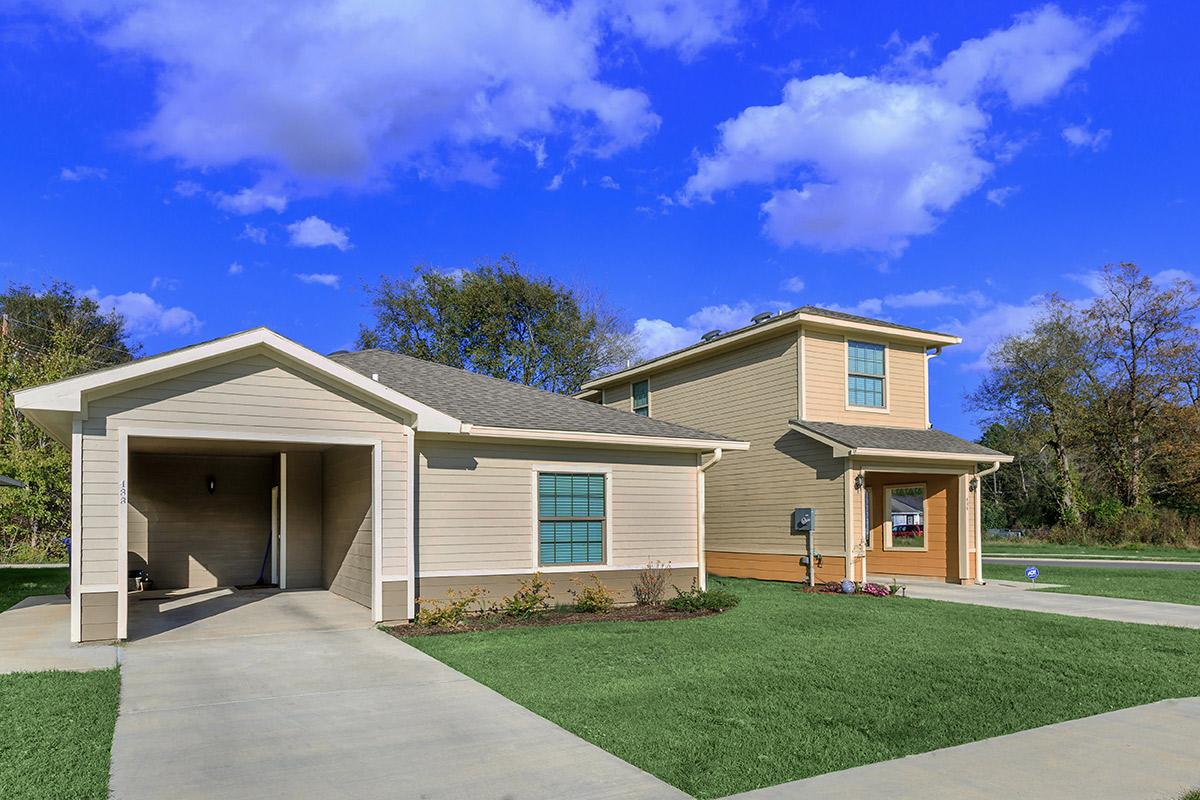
(206, 515)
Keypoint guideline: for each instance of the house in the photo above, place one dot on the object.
(376, 476)
(836, 409)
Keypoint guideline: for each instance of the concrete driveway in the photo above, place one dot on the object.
(33, 637)
(347, 712)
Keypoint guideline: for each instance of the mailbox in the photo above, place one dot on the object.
(803, 520)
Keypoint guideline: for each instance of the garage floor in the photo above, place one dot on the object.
(326, 706)
(187, 614)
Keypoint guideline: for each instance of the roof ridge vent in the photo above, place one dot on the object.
(763, 317)
(708, 337)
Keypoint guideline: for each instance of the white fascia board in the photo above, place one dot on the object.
(923, 455)
(69, 395)
(609, 439)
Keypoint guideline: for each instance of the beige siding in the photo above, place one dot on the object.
(347, 523)
(825, 383)
(304, 520)
(750, 394)
(98, 616)
(476, 504)
(620, 397)
(619, 582)
(254, 394)
(184, 536)
(395, 600)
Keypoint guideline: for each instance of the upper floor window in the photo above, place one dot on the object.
(866, 374)
(641, 398)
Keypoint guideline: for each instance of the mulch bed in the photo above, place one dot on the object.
(833, 587)
(546, 618)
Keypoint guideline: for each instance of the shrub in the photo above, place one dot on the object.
(876, 590)
(696, 599)
(651, 584)
(593, 598)
(533, 595)
(451, 612)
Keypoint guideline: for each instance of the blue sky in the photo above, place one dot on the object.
(213, 168)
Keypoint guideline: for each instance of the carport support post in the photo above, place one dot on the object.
(964, 536)
(283, 504)
(122, 575)
(76, 526)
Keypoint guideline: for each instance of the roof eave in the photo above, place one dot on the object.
(844, 450)
(603, 439)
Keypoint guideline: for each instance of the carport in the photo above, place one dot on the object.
(217, 523)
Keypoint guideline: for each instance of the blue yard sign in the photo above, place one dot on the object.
(1032, 573)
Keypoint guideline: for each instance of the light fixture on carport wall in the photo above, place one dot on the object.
(212, 484)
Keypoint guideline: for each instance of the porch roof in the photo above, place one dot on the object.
(882, 441)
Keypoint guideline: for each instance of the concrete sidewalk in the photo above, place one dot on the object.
(1098, 563)
(1150, 752)
(34, 636)
(1020, 596)
(339, 713)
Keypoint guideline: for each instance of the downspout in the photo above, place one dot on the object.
(937, 351)
(702, 570)
(979, 519)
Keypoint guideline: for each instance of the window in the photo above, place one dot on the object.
(865, 379)
(570, 518)
(905, 523)
(641, 398)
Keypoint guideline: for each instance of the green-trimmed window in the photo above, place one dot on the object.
(571, 518)
(641, 398)
(865, 379)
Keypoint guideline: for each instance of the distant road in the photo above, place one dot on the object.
(1091, 562)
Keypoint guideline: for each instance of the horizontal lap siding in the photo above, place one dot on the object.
(346, 523)
(476, 504)
(254, 394)
(941, 528)
(825, 383)
(750, 394)
(772, 567)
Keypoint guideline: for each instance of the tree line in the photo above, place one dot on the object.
(1098, 401)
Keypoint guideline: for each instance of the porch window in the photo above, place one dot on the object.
(641, 398)
(865, 365)
(905, 523)
(571, 518)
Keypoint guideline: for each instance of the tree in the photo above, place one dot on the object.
(45, 336)
(1145, 344)
(1033, 390)
(498, 321)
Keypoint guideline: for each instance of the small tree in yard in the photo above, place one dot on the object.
(45, 335)
(498, 321)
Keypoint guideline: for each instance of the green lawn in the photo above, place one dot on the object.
(1163, 585)
(20, 582)
(789, 685)
(1020, 547)
(56, 732)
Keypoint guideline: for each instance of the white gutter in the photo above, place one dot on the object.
(937, 351)
(702, 568)
(979, 520)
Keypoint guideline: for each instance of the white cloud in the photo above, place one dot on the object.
(320, 278)
(870, 307)
(187, 188)
(1001, 194)
(1081, 136)
(793, 284)
(981, 332)
(235, 268)
(252, 233)
(144, 316)
(76, 174)
(159, 282)
(343, 92)
(658, 336)
(928, 298)
(607, 182)
(316, 232)
(555, 183)
(252, 200)
(869, 162)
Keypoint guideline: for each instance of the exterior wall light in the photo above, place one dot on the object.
(212, 484)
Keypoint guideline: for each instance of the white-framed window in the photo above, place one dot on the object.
(905, 526)
(640, 391)
(572, 516)
(865, 374)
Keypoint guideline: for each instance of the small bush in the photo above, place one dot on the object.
(592, 598)
(532, 596)
(651, 584)
(451, 612)
(696, 599)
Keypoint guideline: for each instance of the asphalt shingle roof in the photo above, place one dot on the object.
(482, 400)
(915, 440)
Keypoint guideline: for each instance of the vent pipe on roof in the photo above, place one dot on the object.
(763, 317)
(375, 376)
(714, 333)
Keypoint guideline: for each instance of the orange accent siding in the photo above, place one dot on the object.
(771, 566)
(941, 528)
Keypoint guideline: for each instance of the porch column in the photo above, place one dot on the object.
(964, 532)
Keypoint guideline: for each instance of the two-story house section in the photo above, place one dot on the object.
(836, 410)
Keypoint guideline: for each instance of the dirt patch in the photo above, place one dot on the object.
(546, 618)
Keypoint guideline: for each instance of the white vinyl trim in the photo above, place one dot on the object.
(122, 575)
(283, 519)
(76, 527)
(377, 532)
(886, 408)
(410, 521)
(478, 573)
(98, 588)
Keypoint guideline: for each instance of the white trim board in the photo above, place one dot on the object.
(566, 568)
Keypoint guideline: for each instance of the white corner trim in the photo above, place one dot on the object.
(283, 518)
(76, 528)
(122, 575)
(377, 531)
(410, 522)
(69, 394)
